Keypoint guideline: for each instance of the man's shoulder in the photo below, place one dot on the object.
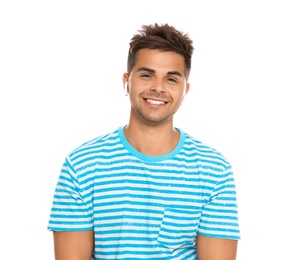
(104, 140)
(202, 150)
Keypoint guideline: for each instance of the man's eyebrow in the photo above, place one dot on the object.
(177, 73)
(146, 69)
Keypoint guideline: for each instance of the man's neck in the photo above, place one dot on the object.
(152, 140)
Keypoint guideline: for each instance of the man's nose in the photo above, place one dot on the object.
(158, 86)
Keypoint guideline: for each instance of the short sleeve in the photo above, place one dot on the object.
(72, 204)
(220, 213)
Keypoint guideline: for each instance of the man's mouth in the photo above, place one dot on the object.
(155, 102)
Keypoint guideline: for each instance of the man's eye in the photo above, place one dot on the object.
(145, 75)
(172, 80)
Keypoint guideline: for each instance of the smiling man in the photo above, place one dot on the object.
(148, 190)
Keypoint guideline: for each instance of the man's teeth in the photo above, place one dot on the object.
(155, 102)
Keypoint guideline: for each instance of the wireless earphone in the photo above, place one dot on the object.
(126, 88)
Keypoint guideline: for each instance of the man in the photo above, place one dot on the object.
(147, 190)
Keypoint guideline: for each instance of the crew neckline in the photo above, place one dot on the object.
(150, 158)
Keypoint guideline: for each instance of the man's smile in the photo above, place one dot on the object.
(155, 102)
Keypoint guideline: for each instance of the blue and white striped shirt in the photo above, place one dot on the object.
(145, 207)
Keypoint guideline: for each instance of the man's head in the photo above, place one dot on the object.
(164, 38)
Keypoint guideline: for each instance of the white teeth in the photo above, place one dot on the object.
(155, 102)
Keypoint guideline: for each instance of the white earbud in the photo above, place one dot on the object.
(126, 89)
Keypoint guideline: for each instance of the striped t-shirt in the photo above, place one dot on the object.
(145, 207)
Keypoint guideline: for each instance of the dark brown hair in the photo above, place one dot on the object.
(162, 37)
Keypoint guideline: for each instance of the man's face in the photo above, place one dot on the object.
(157, 86)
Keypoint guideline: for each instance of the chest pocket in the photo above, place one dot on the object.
(178, 228)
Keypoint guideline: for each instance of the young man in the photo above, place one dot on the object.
(147, 190)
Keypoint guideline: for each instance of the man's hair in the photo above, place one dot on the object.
(161, 37)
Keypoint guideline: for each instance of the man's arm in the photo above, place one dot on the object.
(209, 248)
(73, 245)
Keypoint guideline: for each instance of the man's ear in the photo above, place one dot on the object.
(125, 78)
(187, 88)
(125, 83)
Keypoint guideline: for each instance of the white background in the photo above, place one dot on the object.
(61, 69)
